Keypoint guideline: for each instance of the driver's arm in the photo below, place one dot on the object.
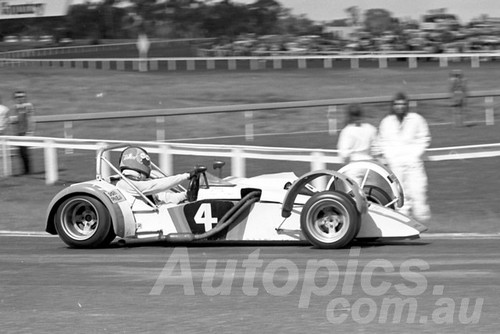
(171, 197)
(155, 186)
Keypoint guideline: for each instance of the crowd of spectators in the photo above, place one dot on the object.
(459, 39)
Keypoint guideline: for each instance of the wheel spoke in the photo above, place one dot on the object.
(78, 219)
(329, 222)
(87, 227)
(329, 219)
(365, 177)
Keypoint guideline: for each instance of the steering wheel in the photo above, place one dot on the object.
(193, 188)
(194, 183)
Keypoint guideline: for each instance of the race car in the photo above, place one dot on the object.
(324, 208)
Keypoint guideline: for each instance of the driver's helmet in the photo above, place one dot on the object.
(136, 159)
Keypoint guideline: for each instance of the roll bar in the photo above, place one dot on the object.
(100, 158)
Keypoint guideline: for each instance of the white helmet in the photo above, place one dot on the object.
(137, 159)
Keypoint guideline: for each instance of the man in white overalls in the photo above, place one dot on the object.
(403, 139)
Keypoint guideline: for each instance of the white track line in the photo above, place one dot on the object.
(460, 236)
(36, 234)
(40, 234)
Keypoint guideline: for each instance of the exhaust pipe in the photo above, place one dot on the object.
(179, 237)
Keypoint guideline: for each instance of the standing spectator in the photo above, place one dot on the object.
(4, 118)
(403, 139)
(458, 90)
(22, 119)
(356, 139)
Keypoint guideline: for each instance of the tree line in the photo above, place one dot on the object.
(117, 19)
(183, 19)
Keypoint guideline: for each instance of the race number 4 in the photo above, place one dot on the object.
(204, 216)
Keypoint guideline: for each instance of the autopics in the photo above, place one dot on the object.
(282, 277)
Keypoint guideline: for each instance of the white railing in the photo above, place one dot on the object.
(244, 62)
(316, 158)
(104, 46)
(331, 110)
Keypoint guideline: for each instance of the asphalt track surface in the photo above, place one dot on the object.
(436, 284)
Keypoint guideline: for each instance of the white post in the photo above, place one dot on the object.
(68, 134)
(210, 64)
(412, 62)
(254, 64)
(6, 163)
(51, 167)
(237, 163)
(160, 128)
(382, 62)
(489, 111)
(171, 65)
(327, 63)
(317, 163)
(166, 160)
(443, 62)
(249, 126)
(277, 64)
(475, 62)
(354, 63)
(332, 120)
(302, 63)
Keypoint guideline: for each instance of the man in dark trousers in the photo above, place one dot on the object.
(458, 90)
(23, 121)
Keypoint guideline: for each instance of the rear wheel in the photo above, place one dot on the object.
(378, 195)
(84, 222)
(330, 219)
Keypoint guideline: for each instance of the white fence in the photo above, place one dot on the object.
(247, 62)
(105, 46)
(249, 109)
(316, 158)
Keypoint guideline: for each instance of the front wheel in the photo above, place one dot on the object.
(84, 222)
(330, 219)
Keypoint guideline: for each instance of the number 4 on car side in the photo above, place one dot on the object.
(324, 208)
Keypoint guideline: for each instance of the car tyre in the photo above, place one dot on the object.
(330, 219)
(378, 195)
(84, 222)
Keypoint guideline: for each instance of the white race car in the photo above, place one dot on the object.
(325, 208)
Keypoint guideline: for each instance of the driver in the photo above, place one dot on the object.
(135, 165)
